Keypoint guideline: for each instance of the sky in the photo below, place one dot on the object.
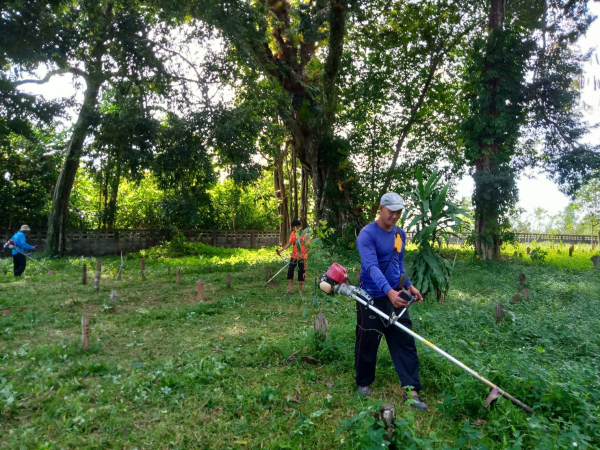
(535, 190)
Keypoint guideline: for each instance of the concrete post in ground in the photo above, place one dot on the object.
(97, 281)
(388, 416)
(178, 276)
(84, 275)
(99, 265)
(321, 326)
(113, 301)
(499, 312)
(85, 332)
(200, 294)
(228, 280)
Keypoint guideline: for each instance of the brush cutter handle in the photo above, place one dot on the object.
(404, 295)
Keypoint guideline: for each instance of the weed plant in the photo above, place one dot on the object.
(245, 370)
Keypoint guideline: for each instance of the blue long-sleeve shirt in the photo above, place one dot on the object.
(381, 262)
(20, 243)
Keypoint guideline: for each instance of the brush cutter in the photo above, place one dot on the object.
(10, 244)
(334, 282)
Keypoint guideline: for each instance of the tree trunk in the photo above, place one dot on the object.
(294, 182)
(487, 225)
(281, 195)
(57, 222)
(290, 176)
(304, 198)
(111, 210)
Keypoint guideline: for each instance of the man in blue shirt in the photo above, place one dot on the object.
(20, 243)
(381, 247)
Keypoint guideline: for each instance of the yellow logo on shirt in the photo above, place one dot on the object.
(398, 243)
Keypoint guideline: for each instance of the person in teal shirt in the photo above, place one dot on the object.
(18, 252)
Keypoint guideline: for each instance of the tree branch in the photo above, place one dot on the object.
(50, 74)
(435, 61)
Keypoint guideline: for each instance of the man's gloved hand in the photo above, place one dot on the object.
(396, 300)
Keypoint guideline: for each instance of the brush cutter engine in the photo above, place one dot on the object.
(334, 282)
(331, 280)
(10, 244)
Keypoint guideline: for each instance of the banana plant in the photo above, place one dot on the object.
(433, 218)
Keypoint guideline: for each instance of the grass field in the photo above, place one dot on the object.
(245, 370)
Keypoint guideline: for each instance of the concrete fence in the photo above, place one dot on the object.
(527, 238)
(106, 242)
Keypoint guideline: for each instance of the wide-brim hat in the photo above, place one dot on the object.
(25, 228)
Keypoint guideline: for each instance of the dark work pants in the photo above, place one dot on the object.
(292, 267)
(19, 263)
(370, 327)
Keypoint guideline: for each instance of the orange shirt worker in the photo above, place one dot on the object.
(298, 257)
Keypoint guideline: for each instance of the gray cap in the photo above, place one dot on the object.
(392, 201)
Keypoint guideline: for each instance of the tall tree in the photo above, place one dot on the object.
(400, 87)
(283, 41)
(98, 41)
(122, 145)
(514, 122)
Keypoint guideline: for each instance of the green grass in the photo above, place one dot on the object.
(166, 372)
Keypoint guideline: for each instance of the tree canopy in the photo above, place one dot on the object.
(335, 101)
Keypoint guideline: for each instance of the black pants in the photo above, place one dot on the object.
(370, 327)
(292, 268)
(19, 263)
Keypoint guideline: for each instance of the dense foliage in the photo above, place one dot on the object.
(336, 101)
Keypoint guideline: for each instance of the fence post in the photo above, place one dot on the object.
(84, 275)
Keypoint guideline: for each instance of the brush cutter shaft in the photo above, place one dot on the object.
(280, 270)
(351, 292)
(27, 256)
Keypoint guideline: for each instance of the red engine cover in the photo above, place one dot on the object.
(337, 273)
